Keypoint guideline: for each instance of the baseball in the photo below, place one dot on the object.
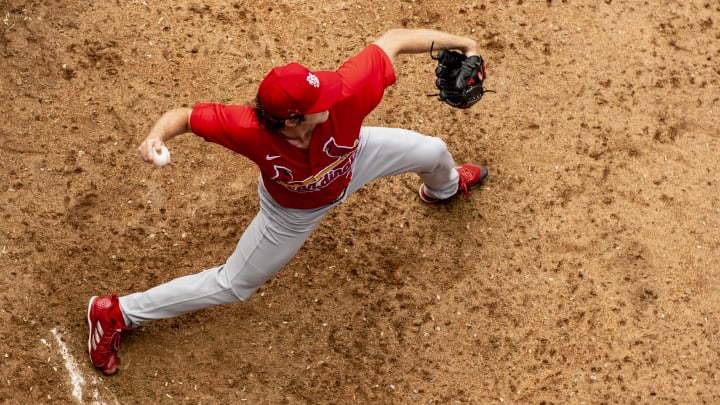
(162, 158)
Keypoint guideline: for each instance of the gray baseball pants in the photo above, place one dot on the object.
(277, 233)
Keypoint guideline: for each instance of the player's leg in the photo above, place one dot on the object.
(267, 245)
(390, 151)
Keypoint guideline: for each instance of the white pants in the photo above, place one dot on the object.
(276, 234)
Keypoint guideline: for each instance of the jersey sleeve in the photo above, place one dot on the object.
(231, 126)
(366, 76)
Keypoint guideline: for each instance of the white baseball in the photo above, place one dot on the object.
(162, 158)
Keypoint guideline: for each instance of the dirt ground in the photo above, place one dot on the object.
(586, 270)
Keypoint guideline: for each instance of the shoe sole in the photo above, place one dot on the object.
(90, 304)
(420, 193)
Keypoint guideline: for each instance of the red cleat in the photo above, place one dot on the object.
(106, 324)
(471, 176)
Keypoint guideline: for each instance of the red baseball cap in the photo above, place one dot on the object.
(295, 90)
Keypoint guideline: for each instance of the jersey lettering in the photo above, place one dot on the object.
(341, 167)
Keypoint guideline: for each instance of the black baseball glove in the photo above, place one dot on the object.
(459, 78)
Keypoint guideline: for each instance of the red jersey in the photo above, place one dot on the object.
(316, 176)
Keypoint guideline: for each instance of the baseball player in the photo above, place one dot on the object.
(305, 133)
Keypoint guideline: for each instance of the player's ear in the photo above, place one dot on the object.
(294, 121)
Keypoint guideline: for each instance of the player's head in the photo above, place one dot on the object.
(291, 91)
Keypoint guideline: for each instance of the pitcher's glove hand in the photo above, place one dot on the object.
(459, 78)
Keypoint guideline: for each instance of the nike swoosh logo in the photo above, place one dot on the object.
(268, 157)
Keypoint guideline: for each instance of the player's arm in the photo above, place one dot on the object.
(410, 41)
(171, 124)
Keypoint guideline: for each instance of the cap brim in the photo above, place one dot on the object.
(331, 86)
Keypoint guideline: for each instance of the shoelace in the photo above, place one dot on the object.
(110, 344)
(465, 177)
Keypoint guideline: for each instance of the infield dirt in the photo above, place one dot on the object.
(586, 269)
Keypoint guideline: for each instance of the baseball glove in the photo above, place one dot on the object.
(459, 78)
